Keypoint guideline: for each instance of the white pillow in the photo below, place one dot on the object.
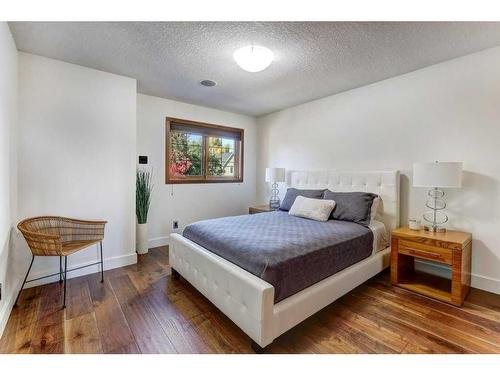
(311, 208)
(375, 206)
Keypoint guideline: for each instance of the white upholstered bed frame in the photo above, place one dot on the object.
(249, 301)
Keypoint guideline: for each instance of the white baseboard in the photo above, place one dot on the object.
(477, 281)
(109, 264)
(158, 241)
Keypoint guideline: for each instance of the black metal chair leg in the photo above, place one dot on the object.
(102, 264)
(65, 280)
(60, 270)
(24, 281)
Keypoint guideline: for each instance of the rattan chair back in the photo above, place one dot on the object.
(46, 235)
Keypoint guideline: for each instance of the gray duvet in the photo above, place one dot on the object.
(289, 252)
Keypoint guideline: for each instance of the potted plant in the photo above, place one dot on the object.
(144, 187)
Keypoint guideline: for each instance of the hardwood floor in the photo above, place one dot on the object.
(139, 309)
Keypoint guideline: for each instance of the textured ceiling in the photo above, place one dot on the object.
(312, 59)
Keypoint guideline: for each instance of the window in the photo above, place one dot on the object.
(198, 152)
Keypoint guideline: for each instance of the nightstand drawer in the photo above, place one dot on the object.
(423, 251)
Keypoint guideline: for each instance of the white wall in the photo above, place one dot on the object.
(77, 147)
(9, 278)
(190, 202)
(446, 112)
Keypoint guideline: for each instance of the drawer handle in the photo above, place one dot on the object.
(425, 254)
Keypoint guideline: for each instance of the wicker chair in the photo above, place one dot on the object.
(60, 236)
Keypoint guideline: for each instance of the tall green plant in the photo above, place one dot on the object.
(143, 189)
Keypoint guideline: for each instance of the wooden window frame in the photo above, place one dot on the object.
(238, 154)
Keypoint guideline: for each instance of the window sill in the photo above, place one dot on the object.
(203, 181)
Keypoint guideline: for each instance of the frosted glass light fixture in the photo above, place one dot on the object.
(253, 58)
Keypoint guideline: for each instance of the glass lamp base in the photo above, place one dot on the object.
(274, 203)
(435, 217)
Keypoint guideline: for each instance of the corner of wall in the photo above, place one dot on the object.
(8, 171)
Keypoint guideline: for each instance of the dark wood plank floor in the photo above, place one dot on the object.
(139, 309)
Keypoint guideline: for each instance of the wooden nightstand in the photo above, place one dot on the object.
(259, 208)
(451, 248)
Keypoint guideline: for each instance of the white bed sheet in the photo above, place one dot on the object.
(380, 236)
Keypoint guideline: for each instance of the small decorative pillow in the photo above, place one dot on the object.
(352, 206)
(310, 208)
(293, 193)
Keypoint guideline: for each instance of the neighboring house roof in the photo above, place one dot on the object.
(227, 157)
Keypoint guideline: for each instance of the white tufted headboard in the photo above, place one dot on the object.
(383, 183)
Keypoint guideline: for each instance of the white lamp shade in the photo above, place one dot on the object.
(438, 174)
(275, 174)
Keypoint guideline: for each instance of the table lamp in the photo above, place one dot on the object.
(275, 175)
(437, 175)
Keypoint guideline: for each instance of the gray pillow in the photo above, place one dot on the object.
(293, 193)
(351, 206)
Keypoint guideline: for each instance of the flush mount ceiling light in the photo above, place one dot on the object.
(253, 58)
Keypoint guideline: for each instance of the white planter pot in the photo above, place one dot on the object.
(142, 239)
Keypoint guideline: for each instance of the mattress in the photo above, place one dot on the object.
(380, 236)
(289, 252)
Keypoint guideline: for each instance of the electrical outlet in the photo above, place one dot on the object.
(175, 224)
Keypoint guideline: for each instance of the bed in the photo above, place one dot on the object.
(271, 292)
